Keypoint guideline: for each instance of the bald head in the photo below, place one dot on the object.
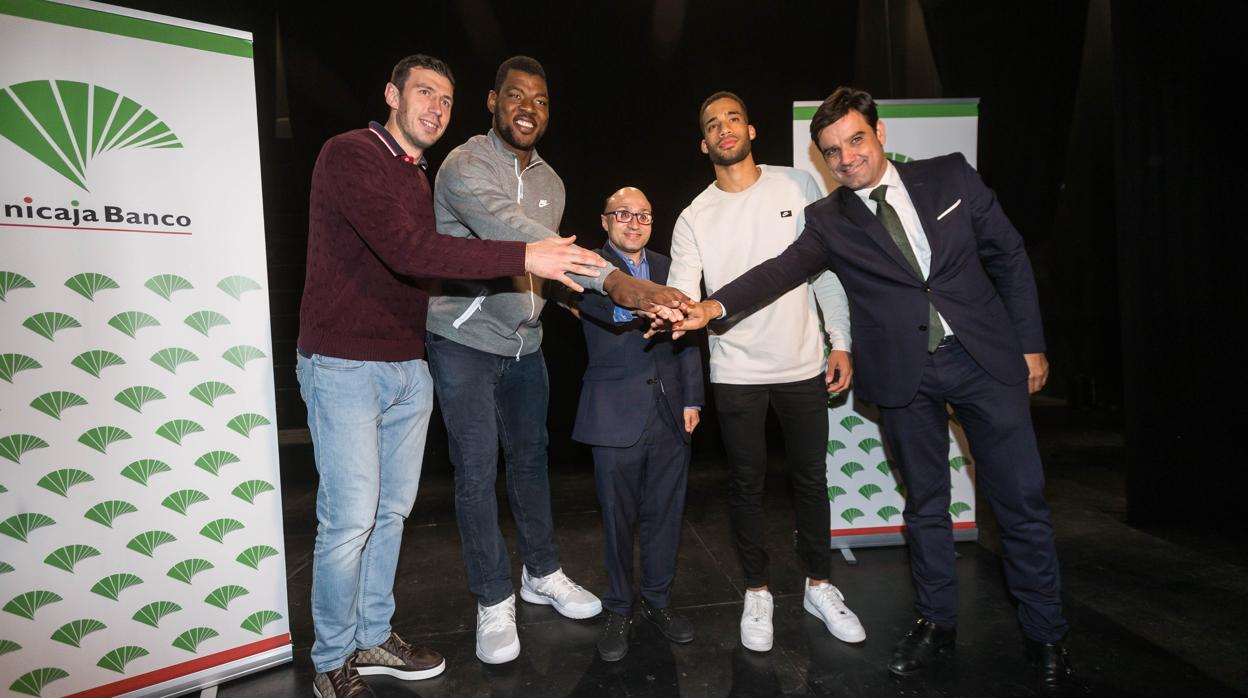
(624, 193)
(631, 237)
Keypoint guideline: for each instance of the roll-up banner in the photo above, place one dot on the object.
(140, 517)
(865, 492)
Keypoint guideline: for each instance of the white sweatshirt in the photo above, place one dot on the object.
(722, 235)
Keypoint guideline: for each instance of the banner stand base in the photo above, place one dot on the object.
(211, 677)
(846, 541)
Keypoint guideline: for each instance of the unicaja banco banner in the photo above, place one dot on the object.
(140, 512)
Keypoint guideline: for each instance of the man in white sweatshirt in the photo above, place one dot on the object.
(749, 214)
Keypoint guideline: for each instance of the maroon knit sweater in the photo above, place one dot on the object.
(371, 234)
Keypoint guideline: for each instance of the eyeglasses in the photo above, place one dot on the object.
(623, 215)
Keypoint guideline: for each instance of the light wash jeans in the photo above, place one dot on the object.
(368, 421)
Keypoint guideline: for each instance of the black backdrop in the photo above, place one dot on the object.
(1107, 129)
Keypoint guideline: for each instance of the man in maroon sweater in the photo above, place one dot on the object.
(361, 364)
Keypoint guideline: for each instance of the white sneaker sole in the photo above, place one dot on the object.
(506, 654)
(400, 674)
(757, 646)
(856, 636)
(536, 598)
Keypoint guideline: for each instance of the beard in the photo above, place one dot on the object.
(724, 159)
(510, 137)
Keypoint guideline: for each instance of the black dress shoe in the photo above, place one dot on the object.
(924, 641)
(1051, 662)
(674, 626)
(613, 643)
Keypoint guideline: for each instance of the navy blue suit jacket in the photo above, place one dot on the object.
(616, 397)
(980, 279)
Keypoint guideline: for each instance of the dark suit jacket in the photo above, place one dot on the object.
(980, 279)
(616, 398)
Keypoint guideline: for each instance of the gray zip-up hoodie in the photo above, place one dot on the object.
(482, 192)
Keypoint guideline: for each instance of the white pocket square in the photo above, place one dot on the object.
(955, 205)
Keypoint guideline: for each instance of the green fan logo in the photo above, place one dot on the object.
(66, 124)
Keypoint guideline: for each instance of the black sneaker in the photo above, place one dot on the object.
(674, 626)
(613, 644)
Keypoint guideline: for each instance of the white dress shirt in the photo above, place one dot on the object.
(899, 199)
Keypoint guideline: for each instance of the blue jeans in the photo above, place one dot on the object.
(487, 399)
(368, 421)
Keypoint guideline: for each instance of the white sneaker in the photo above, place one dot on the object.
(827, 603)
(497, 642)
(756, 632)
(555, 589)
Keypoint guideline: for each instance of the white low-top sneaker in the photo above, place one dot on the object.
(756, 630)
(497, 642)
(827, 603)
(555, 589)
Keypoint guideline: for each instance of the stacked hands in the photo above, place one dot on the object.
(668, 309)
(681, 316)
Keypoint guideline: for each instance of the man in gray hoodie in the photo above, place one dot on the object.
(484, 346)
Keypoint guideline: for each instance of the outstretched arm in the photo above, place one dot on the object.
(801, 260)
(405, 238)
(483, 206)
(558, 259)
(646, 296)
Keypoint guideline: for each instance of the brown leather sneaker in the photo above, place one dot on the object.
(343, 682)
(396, 658)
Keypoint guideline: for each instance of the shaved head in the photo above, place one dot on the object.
(631, 237)
(623, 193)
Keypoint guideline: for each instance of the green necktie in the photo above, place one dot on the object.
(892, 223)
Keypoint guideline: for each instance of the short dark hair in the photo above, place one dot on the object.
(524, 64)
(403, 68)
(722, 94)
(838, 104)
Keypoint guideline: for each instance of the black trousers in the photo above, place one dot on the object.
(802, 408)
(643, 486)
(997, 420)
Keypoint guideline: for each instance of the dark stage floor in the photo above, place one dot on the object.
(1157, 613)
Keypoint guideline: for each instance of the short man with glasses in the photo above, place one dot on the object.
(485, 354)
(640, 402)
(775, 358)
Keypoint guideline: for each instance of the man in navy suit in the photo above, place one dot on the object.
(943, 311)
(640, 402)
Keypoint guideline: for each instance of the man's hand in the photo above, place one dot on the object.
(638, 294)
(840, 372)
(697, 316)
(662, 313)
(556, 257)
(1037, 371)
(678, 321)
(692, 417)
